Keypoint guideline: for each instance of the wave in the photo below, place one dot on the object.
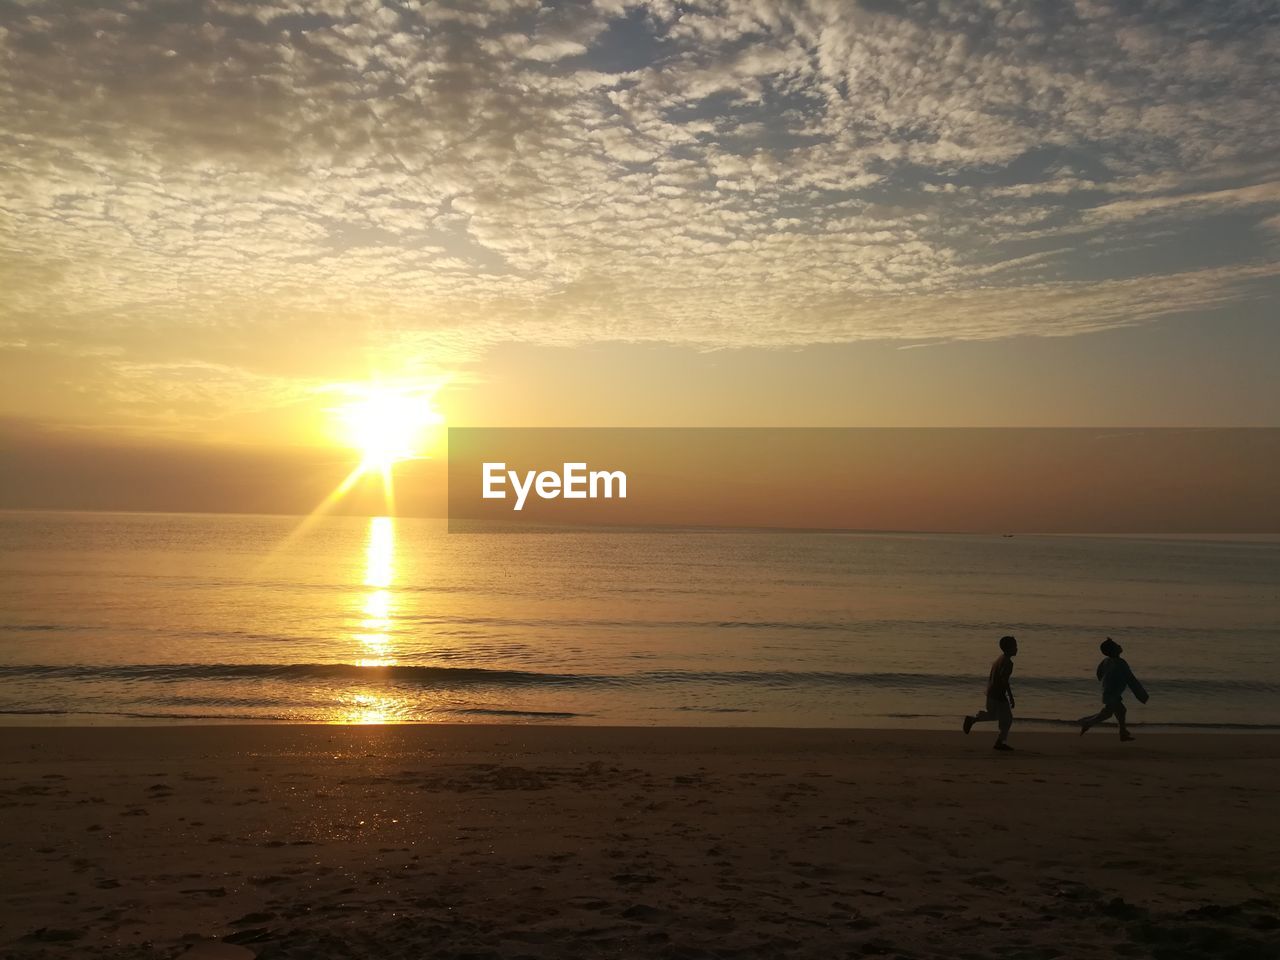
(494, 712)
(454, 677)
(567, 715)
(41, 627)
(421, 675)
(155, 715)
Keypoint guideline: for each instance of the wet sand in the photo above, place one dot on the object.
(542, 842)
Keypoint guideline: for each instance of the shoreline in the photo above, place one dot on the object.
(672, 741)
(508, 841)
(60, 720)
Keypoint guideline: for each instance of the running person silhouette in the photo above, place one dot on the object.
(999, 695)
(1116, 675)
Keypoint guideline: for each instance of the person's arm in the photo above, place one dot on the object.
(1135, 685)
(1008, 683)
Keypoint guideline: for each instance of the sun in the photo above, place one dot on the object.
(387, 425)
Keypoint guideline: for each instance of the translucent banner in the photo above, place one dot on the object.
(1153, 481)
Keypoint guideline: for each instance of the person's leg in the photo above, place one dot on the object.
(992, 712)
(1087, 722)
(982, 716)
(1121, 712)
(1006, 721)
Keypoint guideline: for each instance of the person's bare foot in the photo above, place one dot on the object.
(1126, 737)
(968, 724)
(1002, 746)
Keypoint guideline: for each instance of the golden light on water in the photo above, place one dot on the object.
(368, 709)
(374, 635)
(376, 615)
(376, 650)
(380, 557)
(386, 425)
(378, 605)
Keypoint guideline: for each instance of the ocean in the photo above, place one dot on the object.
(153, 618)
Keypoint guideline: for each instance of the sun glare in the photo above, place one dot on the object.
(388, 425)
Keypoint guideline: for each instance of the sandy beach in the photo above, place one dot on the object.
(538, 842)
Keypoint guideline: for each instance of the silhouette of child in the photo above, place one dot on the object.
(1115, 674)
(999, 695)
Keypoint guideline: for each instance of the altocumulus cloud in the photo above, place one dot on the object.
(436, 178)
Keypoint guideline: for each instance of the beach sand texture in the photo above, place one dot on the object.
(540, 842)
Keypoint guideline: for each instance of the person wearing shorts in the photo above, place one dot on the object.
(999, 695)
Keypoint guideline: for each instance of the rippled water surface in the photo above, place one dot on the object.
(135, 617)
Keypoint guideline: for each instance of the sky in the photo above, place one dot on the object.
(219, 220)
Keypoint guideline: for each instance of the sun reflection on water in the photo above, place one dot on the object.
(368, 709)
(377, 606)
(377, 611)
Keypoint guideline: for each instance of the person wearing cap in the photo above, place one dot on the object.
(999, 695)
(1116, 676)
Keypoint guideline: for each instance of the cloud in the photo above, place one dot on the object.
(1262, 195)
(184, 181)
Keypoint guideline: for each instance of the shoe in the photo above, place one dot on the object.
(968, 724)
(1002, 746)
